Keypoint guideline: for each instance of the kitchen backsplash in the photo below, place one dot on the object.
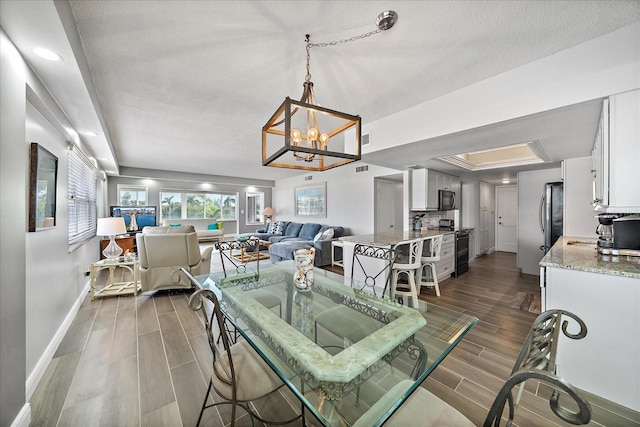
(431, 219)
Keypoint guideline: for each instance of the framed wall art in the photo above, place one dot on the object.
(311, 200)
(43, 183)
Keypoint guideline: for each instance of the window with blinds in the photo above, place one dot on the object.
(82, 189)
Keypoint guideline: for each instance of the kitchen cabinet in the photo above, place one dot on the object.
(425, 184)
(447, 264)
(424, 189)
(605, 362)
(616, 155)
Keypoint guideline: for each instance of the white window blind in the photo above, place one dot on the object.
(82, 189)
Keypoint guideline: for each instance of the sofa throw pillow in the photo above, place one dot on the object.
(276, 228)
(327, 234)
(324, 235)
(175, 225)
(213, 226)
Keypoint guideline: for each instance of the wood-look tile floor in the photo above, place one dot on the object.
(145, 361)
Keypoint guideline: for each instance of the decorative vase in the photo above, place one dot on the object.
(303, 275)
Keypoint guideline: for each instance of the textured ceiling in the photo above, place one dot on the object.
(188, 85)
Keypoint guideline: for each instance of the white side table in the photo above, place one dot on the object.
(113, 288)
(336, 244)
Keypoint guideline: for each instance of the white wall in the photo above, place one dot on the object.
(40, 279)
(54, 277)
(350, 197)
(530, 237)
(13, 225)
(598, 68)
(579, 217)
(168, 181)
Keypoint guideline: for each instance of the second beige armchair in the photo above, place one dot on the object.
(164, 250)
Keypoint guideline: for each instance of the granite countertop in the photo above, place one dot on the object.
(390, 238)
(580, 253)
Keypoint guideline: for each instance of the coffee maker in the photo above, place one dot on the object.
(605, 232)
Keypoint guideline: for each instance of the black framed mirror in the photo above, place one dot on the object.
(43, 184)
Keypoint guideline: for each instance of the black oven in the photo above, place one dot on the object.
(462, 251)
(446, 200)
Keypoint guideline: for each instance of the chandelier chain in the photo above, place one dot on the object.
(333, 43)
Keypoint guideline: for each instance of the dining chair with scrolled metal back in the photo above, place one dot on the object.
(370, 272)
(235, 256)
(240, 376)
(536, 361)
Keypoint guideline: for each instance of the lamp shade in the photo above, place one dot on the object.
(111, 226)
(267, 212)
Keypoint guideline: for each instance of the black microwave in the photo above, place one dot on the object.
(446, 200)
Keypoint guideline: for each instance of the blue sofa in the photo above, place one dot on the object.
(298, 236)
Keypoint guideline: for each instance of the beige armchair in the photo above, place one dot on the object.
(164, 250)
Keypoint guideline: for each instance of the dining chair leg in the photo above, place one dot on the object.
(204, 404)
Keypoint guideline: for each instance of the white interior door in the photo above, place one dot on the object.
(385, 206)
(507, 221)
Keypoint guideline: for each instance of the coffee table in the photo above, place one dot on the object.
(244, 256)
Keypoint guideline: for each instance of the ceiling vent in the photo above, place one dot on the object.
(362, 169)
(366, 139)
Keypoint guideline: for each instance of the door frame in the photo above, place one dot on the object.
(398, 184)
(496, 219)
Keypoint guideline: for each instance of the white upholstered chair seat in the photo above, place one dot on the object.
(422, 409)
(248, 366)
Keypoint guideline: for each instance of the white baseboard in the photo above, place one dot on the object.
(24, 417)
(38, 371)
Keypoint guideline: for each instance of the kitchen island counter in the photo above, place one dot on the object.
(605, 293)
(390, 238)
(580, 253)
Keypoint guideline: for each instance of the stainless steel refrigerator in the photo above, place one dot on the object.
(551, 211)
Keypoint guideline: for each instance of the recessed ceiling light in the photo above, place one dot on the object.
(47, 54)
(505, 181)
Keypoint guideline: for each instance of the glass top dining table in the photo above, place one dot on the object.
(346, 353)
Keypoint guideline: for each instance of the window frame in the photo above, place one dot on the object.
(254, 216)
(133, 188)
(82, 195)
(184, 195)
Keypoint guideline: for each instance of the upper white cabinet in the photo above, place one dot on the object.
(425, 184)
(424, 189)
(616, 155)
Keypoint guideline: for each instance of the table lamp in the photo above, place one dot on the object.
(268, 212)
(111, 227)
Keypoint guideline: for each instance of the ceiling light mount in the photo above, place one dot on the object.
(386, 19)
(318, 138)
